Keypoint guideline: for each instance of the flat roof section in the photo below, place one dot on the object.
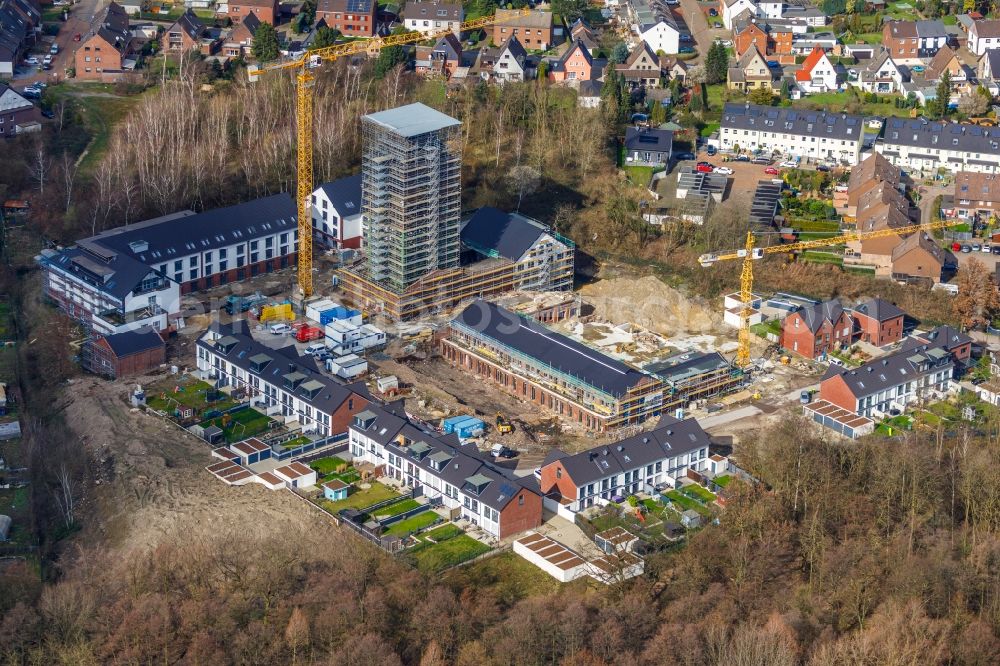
(412, 120)
(552, 551)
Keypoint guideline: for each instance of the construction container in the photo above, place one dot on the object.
(277, 312)
(351, 366)
(340, 313)
(315, 308)
(464, 426)
(387, 384)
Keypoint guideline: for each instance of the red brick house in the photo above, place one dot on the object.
(353, 18)
(878, 322)
(102, 51)
(749, 36)
(240, 39)
(188, 33)
(958, 344)
(125, 354)
(266, 10)
(817, 329)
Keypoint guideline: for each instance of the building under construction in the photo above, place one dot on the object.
(695, 376)
(418, 256)
(528, 360)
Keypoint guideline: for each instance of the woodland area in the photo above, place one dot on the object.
(873, 552)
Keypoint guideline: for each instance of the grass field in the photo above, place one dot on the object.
(328, 465)
(446, 552)
(100, 109)
(685, 502)
(698, 492)
(412, 524)
(510, 576)
(361, 498)
(397, 508)
(723, 481)
(162, 396)
(242, 424)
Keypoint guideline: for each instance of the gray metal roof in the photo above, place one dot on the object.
(792, 121)
(815, 315)
(548, 348)
(643, 138)
(879, 310)
(344, 194)
(412, 120)
(670, 438)
(133, 342)
(889, 371)
(941, 135)
(492, 231)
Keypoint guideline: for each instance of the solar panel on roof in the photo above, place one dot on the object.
(357, 5)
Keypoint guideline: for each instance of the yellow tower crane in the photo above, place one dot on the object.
(751, 252)
(304, 80)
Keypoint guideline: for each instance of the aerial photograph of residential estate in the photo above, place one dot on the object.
(482, 333)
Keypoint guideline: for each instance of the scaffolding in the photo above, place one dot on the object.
(411, 201)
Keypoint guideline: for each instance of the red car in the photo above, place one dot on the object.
(704, 167)
(771, 171)
(76, 37)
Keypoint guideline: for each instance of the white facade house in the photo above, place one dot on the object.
(770, 9)
(661, 36)
(925, 146)
(431, 18)
(285, 386)
(510, 62)
(457, 475)
(109, 292)
(733, 8)
(881, 76)
(335, 209)
(983, 35)
(805, 134)
(817, 74)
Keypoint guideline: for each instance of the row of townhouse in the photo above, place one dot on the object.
(20, 28)
(459, 476)
(809, 134)
(279, 382)
(524, 358)
(915, 144)
(131, 276)
(646, 462)
(792, 12)
(920, 371)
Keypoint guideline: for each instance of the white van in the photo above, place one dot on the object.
(315, 348)
(280, 329)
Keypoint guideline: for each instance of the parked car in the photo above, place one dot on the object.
(956, 247)
(773, 64)
(77, 37)
(710, 150)
(54, 49)
(48, 113)
(31, 60)
(315, 348)
(726, 171)
(771, 171)
(995, 249)
(986, 248)
(760, 159)
(822, 167)
(713, 12)
(977, 247)
(280, 329)
(680, 157)
(741, 158)
(966, 249)
(685, 37)
(788, 164)
(685, 49)
(704, 167)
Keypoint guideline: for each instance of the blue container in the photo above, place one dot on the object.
(448, 424)
(468, 427)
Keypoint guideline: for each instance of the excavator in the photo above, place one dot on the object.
(503, 425)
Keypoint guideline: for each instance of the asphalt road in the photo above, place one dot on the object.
(697, 23)
(80, 16)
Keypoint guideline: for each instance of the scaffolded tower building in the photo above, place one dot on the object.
(410, 194)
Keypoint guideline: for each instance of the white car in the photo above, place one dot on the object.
(726, 171)
(280, 329)
(788, 165)
(31, 60)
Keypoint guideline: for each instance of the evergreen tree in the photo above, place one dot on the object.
(388, 57)
(716, 63)
(619, 54)
(939, 108)
(658, 115)
(265, 43)
(325, 36)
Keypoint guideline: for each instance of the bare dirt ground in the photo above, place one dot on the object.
(151, 482)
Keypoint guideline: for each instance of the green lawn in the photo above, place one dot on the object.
(723, 481)
(429, 557)
(685, 502)
(191, 393)
(397, 508)
(412, 524)
(769, 326)
(509, 575)
(296, 442)
(442, 533)
(698, 492)
(328, 465)
(100, 114)
(822, 258)
(361, 498)
(640, 175)
(708, 129)
(242, 424)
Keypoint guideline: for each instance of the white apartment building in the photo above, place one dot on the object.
(661, 36)
(279, 382)
(926, 146)
(335, 209)
(458, 475)
(432, 18)
(983, 35)
(806, 134)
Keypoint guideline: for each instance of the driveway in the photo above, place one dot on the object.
(717, 420)
(697, 23)
(80, 16)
